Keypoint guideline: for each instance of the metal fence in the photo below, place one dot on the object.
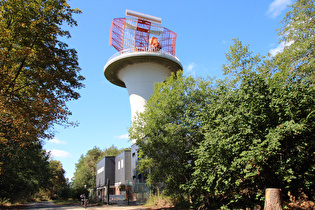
(136, 192)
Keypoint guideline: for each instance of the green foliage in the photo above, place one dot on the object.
(65, 193)
(257, 136)
(57, 180)
(169, 130)
(85, 174)
(55, 185)
(297, 60)
(26, 171)
(111, 151)
(241, 62)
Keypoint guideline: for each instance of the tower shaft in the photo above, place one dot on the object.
(139, 80)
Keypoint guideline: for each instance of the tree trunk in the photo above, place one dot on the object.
(273, 199)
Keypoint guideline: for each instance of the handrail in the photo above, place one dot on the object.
(138, 49)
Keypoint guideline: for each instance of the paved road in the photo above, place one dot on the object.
(50, 205)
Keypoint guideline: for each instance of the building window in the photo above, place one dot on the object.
(118, 165)
(100, 170)
(122, 163)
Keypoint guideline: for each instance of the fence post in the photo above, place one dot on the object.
(273, 199)
(108, 185)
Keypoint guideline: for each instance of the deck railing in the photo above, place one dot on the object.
(139, 49)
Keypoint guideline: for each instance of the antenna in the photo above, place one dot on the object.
(143, 16)
(135, 32)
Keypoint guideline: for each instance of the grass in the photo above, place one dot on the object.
(160, 201)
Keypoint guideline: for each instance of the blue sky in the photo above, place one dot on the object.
(205, 29)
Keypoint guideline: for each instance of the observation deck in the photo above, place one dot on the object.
(128, 57)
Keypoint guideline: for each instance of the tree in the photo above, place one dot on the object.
(297, 59)
(260, 132)
(82, 175)
(294, 70)
(26, 171)
(111, 151)
(57, 181)
(38, 74)
(168, 130)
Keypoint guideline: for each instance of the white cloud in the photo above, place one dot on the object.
(277, 6)
(279, 48)
(59, 153)
(56, 141)
(123, 136)
(191, 68)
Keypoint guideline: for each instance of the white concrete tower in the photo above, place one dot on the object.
(146, 54)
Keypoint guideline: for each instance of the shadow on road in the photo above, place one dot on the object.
(39, 205)
(46, 205)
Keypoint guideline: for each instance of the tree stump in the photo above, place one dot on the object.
(273, 199)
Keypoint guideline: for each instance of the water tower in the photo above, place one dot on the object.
(146, 54)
